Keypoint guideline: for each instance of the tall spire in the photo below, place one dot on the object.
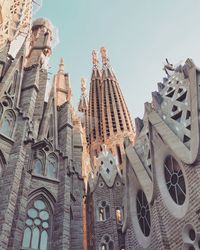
(62, 85)
(94, 109)
(107, 70)
(109, 118)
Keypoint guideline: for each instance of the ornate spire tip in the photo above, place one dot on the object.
(83, 85)
(104, 55)
(95, 60)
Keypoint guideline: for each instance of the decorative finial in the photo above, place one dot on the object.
(168, 67)
(104, 55)
(95, 60)
(61, 66)
(83, 86)
(62, 60)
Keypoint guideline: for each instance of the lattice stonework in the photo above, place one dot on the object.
(144, 151)
(15, 19)
(176, 109)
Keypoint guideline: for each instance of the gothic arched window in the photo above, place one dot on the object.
(106, 243)
(103, 211)
(7, 124)
(175, 180)
(37, 228)
(143, 213)
(38, 167)
(52, 167)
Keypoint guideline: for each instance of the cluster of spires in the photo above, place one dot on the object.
(95, 61)
(104, 56)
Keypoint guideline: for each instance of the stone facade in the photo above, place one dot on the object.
(61, 180)
(104, 205)
(41, 184)
(162, 168)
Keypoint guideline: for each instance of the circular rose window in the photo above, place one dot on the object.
(143, 213)
(175, 180)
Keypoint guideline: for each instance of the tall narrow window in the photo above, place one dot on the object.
(37, 167)
(143, 213)
(106, 243)
(103, 211)
(7, 124)
(175, 181)
(119, 156)
(118, 214)
(37, 228)
(52, 167)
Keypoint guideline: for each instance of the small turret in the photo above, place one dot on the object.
(62, 85)
(40, 45)
(83, 103)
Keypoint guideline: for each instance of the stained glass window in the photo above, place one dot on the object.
(7, 124)
(51, 167)
(143, 213)
(175, 180)
(37, 167)
(36, 232)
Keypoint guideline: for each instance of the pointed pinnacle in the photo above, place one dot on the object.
(104, 55)
(95, 60)
(61, 66)
(83, 86)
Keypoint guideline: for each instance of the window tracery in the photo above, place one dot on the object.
(143, 213)
(7, 123)
(37, 226)
(45, 166)
(174, 180)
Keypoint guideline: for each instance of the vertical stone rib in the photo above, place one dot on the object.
(122, 123)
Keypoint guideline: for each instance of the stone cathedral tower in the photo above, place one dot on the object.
(41, 185)
(108, 116)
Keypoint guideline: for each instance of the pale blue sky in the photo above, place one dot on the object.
(139, 35)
